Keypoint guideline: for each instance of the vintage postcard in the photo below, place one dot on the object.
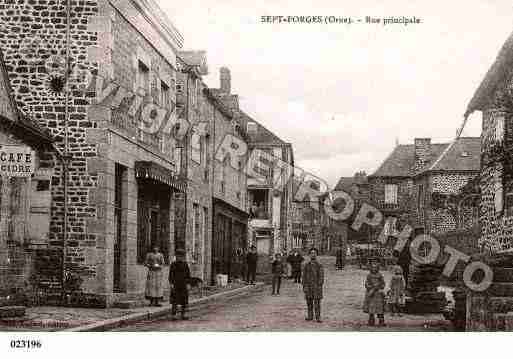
(274, 166)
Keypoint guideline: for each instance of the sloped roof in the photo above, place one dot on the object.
(464, 155)
(262, 135)
(346, 183)
(197, 58)
(400, 163)
(26, 128)
(497, 71)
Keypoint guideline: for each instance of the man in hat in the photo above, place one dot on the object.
(313, 281)
(251, 261)
(179, 281)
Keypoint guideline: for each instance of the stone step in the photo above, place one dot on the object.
(129, 304)
(12, 311)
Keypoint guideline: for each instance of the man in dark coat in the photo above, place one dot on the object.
(251, 261)
(296, 261)
(313, 280)
(179, 281)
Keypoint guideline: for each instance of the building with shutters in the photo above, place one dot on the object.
(421, 184)
(489, 310)
(26, 158)
(123, 184)
(270, 196)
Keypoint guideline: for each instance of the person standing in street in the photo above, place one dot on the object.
(289, 265)
(396, 294)
(154, 291)
(296, 262)
(338, 255)
(313, 281)
(251, 261)
(374, 303)
(278, 268)
(179, 281)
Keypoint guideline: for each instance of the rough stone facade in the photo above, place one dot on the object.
(193, 101)
(107, 39)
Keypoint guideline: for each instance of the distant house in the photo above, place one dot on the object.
(358, 188)
(420, 182)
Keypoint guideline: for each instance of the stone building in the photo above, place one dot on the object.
(194, 106)
(270, 196)
(229, 193)
(358, 188)
(25, 200)
(419, 183)
(493, 99)
(116, 127)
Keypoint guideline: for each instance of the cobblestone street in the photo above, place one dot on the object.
(341, 310)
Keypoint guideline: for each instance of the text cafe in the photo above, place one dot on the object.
(16, 161)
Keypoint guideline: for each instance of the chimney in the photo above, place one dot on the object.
(422, 152)
(226, 80)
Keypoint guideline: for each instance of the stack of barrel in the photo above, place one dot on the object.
(423, 283)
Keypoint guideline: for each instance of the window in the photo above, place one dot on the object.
(420, 198)
(391, 194)
(193, 93)
(196, 234)
(142, 77)
(251, 127)
(223, 175)
(499, 128)
(179, 88)
(196, 147)
(164, 94)
(498, 195)
(508, 204)
(43, 185)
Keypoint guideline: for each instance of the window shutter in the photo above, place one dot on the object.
(499, 128)
(499, 196)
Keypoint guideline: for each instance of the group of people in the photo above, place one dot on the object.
(375, 296)
(310, 275)
(179, 281)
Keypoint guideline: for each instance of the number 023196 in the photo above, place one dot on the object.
(26, 344)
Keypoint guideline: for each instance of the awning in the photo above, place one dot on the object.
(156, 172)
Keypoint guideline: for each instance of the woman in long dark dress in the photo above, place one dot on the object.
(154, 290)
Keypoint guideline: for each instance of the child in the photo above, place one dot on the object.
(277, 271)
(179, 282)
(374, 297)
(396, 292)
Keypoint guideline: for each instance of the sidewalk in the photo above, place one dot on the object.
(49, 319)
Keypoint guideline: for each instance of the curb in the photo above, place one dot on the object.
(158, 312)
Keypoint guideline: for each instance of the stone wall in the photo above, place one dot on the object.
(42, 25)
(104, 42)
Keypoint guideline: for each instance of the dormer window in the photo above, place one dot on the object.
(251, 127)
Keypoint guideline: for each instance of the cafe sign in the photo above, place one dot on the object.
(16, 161)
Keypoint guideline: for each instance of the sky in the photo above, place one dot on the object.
(342, 94)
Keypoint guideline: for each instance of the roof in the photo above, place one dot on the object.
(218, 103)
(262, 135)
(24, 127)
(196, 58)
(497, 71)
(400, 163)
(346, 183)
(444, 157)
(463, 155)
